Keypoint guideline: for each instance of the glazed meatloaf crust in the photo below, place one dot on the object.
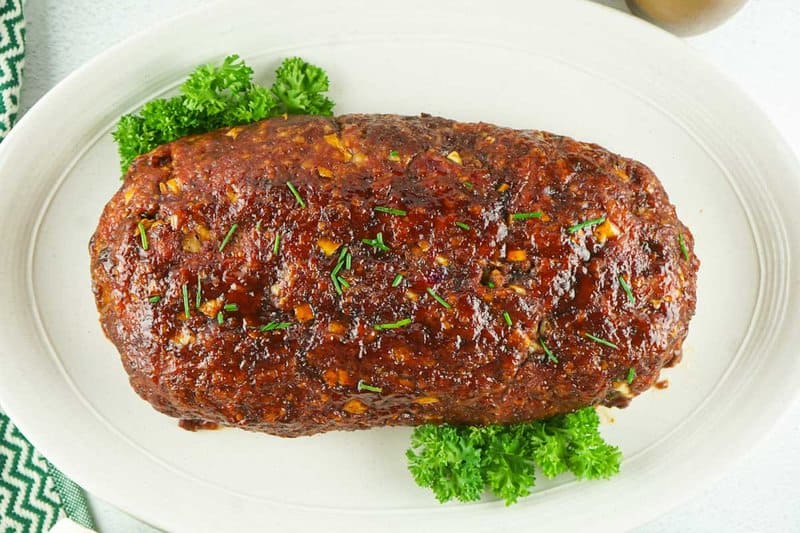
(308, 274)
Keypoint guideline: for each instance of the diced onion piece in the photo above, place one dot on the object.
(517, 255)
(328, 246)
(455, 157)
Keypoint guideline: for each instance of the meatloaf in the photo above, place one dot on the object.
(307, 274)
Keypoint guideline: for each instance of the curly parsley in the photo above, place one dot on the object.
(460, 462)
(299, 86)
(222, 96)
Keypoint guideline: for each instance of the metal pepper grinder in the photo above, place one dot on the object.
(685, 17)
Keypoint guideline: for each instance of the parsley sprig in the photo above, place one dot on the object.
(222, 96)
(459, 462)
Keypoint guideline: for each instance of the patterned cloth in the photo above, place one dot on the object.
(12, 60)
(34, 494)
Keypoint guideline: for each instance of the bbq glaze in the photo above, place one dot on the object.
(486, 218)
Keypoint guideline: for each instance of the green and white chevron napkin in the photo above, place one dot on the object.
(12, 59)
(34, 495)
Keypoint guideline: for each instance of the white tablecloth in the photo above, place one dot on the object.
(759, 48)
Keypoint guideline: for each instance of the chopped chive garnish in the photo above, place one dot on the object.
(631, 375)
(627, 289)
(526, 216)
(348, 259)
(439, 298)
(185, 290)
(681, 242)
(277, 244)
(220, 318)
(258, 226)
(335, 279)
(547, 351)
(398, 279)
(363, 386)
(154, 299)
(393, 325)
(342, 262)
(598, 340)
(274, 325)
(228, 237)
(507, 318)
(462, 225)
(468, 185)
(231, 307)
(394, 153)
(377, 242)
(198, 299)
(296, 194)
(490, 284)
(579, 226)
(143, 235)
(390, 210)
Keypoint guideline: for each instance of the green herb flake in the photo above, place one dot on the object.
(438, 298)
(341, 263)
(296, 195)
(390, 210)
(220, 318)
(598, 340)
(526, 216)
(231, 307)
(335, 279)
(461, 462)
(393, 325)
(377, 242)
(681, 243)
(143, 236)
(398, 279)
(394, 155)
(272, 326)
(348, 261)
(627, 289)
(276, 245)
(463, 225)
(185, 290)
(550, 355)
(198, 298)
(258, 226)
(586, 223)
(468, 185)
(631, 375)
(490, 284)
(507, 318)
(362, 386)
(228, 236)
(154, 299)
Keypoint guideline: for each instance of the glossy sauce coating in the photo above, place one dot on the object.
(483, 228)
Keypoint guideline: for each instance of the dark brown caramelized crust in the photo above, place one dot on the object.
(489, 228)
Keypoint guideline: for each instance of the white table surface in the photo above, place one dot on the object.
(759, 48)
